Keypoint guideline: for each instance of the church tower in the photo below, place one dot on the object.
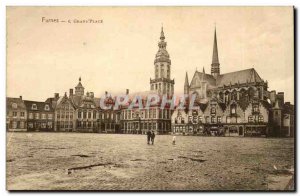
(215, 65)
(162, 82)
(79, 89)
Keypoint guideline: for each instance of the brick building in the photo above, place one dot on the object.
(40, 116)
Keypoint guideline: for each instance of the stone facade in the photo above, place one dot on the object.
(234, 104)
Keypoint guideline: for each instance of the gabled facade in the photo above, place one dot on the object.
(16, 114)
(64, 115)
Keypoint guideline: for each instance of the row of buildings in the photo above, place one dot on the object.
(231, 104)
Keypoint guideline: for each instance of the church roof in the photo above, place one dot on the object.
(242, 76)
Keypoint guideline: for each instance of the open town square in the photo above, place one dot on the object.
(90, 161)
(202, 102)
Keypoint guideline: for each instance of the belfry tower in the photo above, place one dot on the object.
(162, 82)
(215, 65)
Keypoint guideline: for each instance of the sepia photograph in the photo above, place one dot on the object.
(154, 98)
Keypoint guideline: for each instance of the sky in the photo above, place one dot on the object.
(118, 54)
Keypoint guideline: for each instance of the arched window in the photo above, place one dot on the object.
(14, 105)
(260, 118)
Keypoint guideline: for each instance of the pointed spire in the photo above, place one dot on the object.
(215, 65)
(186, 79)
(186, 84)
(203, 70)
(162, 34)
(215, 57)
(80, 79)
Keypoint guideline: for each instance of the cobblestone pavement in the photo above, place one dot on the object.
(79, 161)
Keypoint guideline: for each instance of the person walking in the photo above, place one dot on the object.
(152, 137)
(148, 137)
(174, 140)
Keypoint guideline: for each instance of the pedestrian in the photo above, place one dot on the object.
(174, 140)
(148, 137)
(152, 137)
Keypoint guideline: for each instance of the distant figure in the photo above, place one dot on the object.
(152, 137)
(174, 140)
(148, 137)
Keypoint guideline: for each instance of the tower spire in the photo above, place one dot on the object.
(215, 65)
(186, 84)
(162, 34)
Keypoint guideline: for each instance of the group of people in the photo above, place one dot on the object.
(150, 137)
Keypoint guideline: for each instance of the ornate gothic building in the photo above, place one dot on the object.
(236, 103)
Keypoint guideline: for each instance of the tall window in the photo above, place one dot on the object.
(43, 116)
(219, 119)
(213, 119)
(50, 116)
(255, 108)
(14, 114)
(260, 118)
(94, 114)
(228, 120)
(37, 115)
(250, 119)
(200, 119)
(213, 110)
(233, 109)
(22, 114)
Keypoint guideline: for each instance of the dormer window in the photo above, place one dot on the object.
(47, 108)
(14, 105)
(34, 107)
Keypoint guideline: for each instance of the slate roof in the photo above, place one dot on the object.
(18, 101)
(241, 77)
(40, 106)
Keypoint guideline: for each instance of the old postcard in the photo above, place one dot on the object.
(150, 98)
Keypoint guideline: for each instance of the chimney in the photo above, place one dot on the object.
(56, 95)
(21, 97)
(71, 92)
(105, 93)
(273, 96)
(280, 97)
(92, 94)
(87, 94)
(127, 91)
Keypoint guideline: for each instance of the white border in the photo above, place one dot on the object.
(103, 3)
